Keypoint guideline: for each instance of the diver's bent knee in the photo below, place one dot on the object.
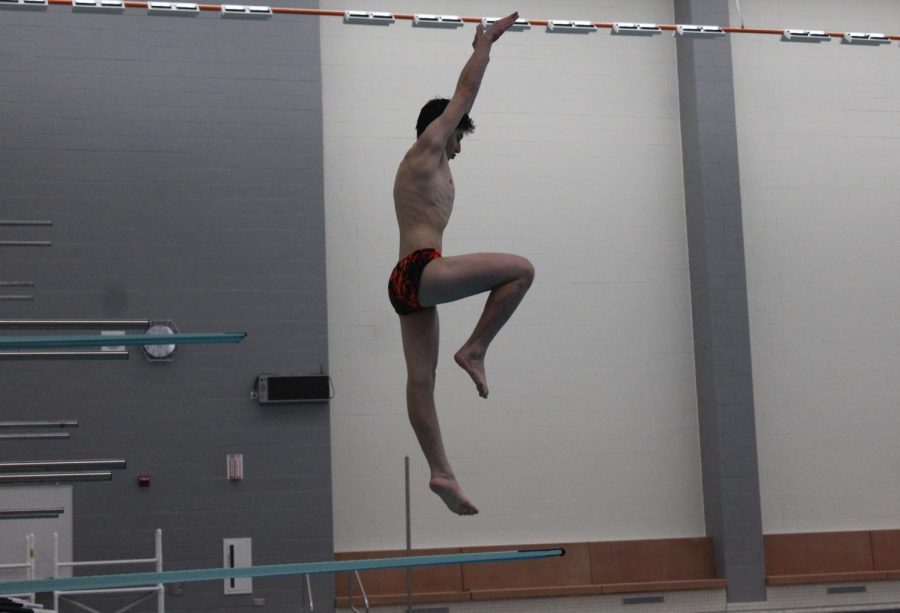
(527, 272)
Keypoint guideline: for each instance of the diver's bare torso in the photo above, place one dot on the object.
(423, 202)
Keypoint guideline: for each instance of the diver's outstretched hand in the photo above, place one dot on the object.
(491, 34)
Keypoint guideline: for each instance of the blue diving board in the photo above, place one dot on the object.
(303, 568)
(97, 340)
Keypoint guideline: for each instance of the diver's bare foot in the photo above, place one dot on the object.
(449, 491)
(473, 363)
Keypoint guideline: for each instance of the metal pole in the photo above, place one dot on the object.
(65, 423)
(30, 478)
(61, 465)
(34, 436)
(408, 539)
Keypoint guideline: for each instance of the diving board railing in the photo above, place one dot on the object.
(27, 566)
(362, 590)
(302, 568)
(309, 595)
(142, 591)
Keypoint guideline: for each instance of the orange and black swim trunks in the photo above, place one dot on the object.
(403, 288)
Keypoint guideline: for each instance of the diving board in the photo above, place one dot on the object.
(303, 568)
(97, 340)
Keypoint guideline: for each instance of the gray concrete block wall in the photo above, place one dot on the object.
(719, 304)
(180, 160)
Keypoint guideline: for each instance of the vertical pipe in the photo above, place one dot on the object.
(740, 14)
(29, 542)
(55, 569)
(408, 539)
(159, 558)
(161, 589)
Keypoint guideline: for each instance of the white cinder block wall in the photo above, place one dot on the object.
(590, 432)
(819, 140)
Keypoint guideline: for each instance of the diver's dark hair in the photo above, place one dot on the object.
(433, 109)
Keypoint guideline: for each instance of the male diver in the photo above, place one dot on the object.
(423, 278)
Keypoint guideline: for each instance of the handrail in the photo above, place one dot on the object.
(31, 514)
(30, 478)
(34, 436)
(67, 465)
(362, 592)
(309, 595)
(143, 591)
(62, 423)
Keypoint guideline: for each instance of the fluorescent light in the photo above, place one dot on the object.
(645, 29)
(520, 24)
(33, 5)
(98, 6)
(438, 21)
(815, 36)
(246, 12)
(368, 17)
(867, 38)
(154, 7)
(699, 31)
(562, 25)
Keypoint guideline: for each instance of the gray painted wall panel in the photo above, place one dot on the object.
(181, 163)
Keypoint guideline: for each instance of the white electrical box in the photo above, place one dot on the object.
(237, 554)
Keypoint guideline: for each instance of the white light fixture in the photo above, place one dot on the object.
(240, 11)
(643, 29)
(98, 6)
(867, 38)
(562, 25)
(438, 21)
(172, 8)
(806, 36)
(33, 5)
(368, 17)
(699, 31)
(520, 24)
